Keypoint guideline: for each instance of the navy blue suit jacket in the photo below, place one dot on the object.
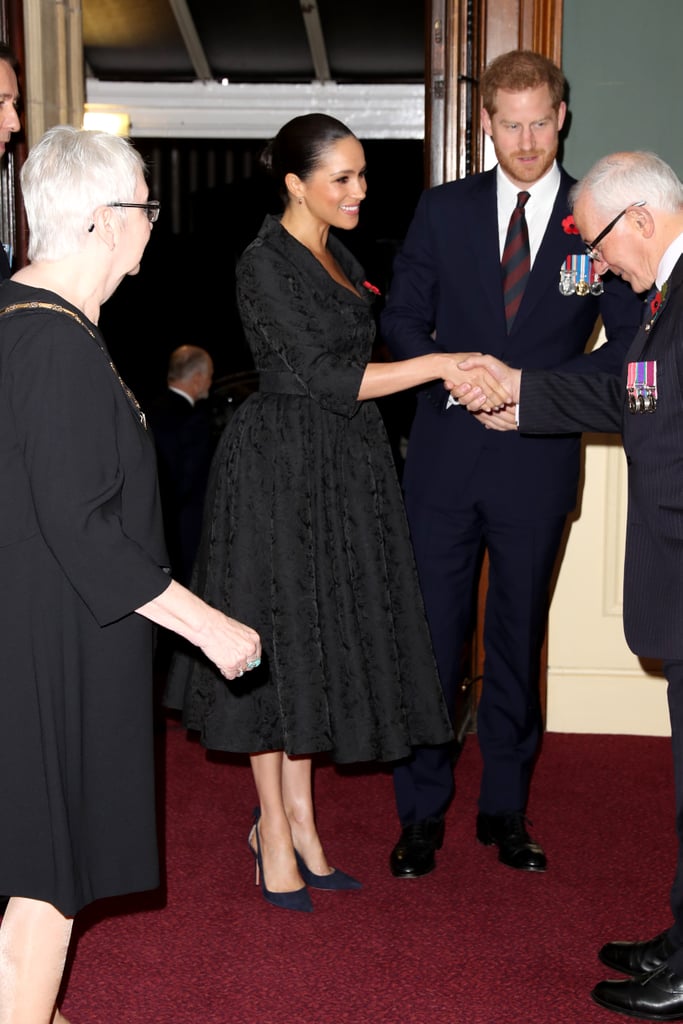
(446, 294)
(182, 434)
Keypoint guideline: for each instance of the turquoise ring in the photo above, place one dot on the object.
(254, 664)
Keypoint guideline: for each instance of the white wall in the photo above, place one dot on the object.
(595, 683)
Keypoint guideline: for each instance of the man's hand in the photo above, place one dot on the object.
(470, 379)
(498, 419)
(468, 394)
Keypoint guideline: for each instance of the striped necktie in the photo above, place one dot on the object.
(516, 262)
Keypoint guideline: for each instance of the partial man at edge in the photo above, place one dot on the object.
(631, 205)
(9, 123)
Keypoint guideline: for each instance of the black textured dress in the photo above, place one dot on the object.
(305, 536)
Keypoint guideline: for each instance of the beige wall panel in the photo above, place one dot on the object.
(54, 65)
(595, 683)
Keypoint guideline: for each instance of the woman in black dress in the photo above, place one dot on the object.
(83, 568)
(305, 531)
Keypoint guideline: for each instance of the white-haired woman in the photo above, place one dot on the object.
(84, 570)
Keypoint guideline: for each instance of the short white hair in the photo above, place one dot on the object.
(66, 176)
(621, 179)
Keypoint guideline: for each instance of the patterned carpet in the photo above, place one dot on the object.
(473, 943)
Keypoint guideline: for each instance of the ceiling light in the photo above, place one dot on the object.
(115, 122)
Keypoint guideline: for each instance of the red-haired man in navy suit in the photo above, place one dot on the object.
(468, 489)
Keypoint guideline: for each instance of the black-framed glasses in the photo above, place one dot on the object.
(151, 208)
(592, 247)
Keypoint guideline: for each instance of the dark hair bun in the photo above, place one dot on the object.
(299, 146)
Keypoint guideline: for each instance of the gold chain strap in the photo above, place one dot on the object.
(53, 307)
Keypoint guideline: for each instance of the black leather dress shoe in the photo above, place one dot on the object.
(516, 848)
(637, 957)
(654, 996)
(413, 854)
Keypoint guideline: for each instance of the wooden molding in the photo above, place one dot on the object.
(540, 27)
(461, 37)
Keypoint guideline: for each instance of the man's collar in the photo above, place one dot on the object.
(669, 261)
(545, 187)
(178, 391)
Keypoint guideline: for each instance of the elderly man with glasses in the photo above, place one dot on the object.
(643, 244)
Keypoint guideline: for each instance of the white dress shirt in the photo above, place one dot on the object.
(669, 261)
(539, 206)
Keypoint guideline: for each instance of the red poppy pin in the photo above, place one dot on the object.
(656, 303)
(371, 288)
(569, 226)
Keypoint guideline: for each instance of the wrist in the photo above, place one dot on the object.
(446, 368)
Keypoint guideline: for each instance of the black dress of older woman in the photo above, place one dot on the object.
(81, 545)
(305, 534)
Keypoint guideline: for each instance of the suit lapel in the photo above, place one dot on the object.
(485, 249)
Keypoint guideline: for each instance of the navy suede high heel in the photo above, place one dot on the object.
(334, 882)
(297, 899)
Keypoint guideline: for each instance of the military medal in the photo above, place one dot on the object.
(596, 285)
(579, 277)
(582, 264)
(567, 285)
(641, 386)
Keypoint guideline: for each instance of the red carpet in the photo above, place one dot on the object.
(473, 943)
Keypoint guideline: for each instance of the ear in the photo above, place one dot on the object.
(294, 185)
(105, 226)
(486, 122)
(561, 114)
(642, 220)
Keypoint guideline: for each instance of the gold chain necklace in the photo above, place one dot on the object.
(53, 307)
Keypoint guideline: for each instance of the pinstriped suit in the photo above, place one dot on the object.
(653, 442)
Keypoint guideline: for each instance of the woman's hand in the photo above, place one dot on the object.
(233, 647)
(483, 387)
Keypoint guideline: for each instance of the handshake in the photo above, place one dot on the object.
(485, 386)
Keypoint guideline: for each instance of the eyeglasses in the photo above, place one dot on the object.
(592, 247)
(151, 208)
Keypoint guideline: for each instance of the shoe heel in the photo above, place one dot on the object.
(297, 899)
(252, 847)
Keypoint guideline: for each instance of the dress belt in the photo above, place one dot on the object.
(281, 382)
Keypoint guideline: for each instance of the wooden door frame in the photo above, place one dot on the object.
(462, 36)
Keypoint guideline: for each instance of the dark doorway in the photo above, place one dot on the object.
(213, 201)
